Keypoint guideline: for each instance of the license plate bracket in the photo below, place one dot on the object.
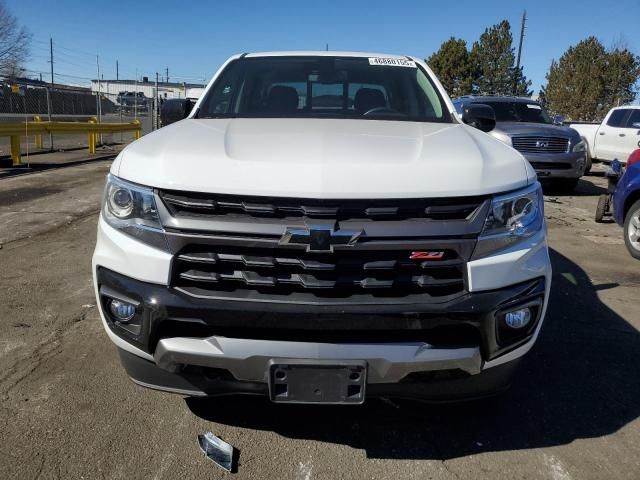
(299, 381)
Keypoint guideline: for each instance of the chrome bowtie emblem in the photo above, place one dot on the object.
(542, 144)
(319, 238)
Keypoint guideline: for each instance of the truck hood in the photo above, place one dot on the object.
(523, 128)
(323, 158)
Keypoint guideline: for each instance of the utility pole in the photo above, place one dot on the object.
(167, 75)
(117, 71)
(156, 106)
(51, 58)
(99, 104)
(135, 99)
(516, 77)
(99, 89)
(48, 90)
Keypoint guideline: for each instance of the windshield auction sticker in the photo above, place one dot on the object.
(392, 62)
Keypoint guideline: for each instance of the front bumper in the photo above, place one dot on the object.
(563, 165)
(434, 386)
(188, 338)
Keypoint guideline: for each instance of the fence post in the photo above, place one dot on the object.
(92, 137)
(137, 133)
(38, 135)
(15, 150)
(49, 114)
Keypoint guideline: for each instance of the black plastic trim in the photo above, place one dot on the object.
(161, 303)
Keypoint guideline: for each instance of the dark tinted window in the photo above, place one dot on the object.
(334, 87)
(518, 112)
(616, 119)
(633, 118)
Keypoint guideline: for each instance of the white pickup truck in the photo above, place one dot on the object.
(321, 224)
(616, 137)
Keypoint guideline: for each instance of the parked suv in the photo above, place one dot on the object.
(322, 228)
(557, 153)
(130, 100)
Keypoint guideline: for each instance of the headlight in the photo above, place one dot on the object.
(579, 147)
(512, 218)
(132, 209)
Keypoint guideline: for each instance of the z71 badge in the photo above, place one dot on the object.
(426, 256)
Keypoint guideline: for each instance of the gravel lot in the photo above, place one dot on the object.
(69, 411)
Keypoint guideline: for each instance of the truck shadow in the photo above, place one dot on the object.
(586, 187)
(580, 381)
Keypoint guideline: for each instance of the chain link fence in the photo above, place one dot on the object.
(25, 102)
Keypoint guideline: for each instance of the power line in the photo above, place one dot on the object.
(71, 57)
(73, 76)
(63, 47)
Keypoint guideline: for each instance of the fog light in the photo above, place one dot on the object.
(518, 319)
(122, 311)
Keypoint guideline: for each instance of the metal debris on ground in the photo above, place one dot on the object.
(217, 450)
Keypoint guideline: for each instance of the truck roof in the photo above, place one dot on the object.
(322, 53)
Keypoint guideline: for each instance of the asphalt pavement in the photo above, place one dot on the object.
(67, 409)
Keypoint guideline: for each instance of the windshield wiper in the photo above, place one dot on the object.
(210, 116)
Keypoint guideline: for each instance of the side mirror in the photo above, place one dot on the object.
(636, 125)
(175, 109)
(480, 116)
(558, 120)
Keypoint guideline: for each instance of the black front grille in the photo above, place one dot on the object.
(187, 204)
(551, 165)
(282, 271)
(540, 144)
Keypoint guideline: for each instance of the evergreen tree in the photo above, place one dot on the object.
(492, 58)
(576, 82)
(522, 86)
(452, 67)
(620, 77)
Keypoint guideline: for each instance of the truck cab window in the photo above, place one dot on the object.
(616, 119)
(633, 118)
(302, 87)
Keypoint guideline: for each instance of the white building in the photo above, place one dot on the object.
(165, 89)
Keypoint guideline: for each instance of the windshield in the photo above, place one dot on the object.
(519, 112)
(324, 87)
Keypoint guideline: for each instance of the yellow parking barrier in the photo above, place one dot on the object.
(38, 136)
(37, 128)
(15, 149)
(92, 137)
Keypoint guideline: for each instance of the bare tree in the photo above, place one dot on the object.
(14, 43)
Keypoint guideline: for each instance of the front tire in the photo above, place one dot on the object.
(632, 230)
(588, 160)
(602, 208)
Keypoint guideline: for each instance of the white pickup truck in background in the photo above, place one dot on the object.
(616, 137)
